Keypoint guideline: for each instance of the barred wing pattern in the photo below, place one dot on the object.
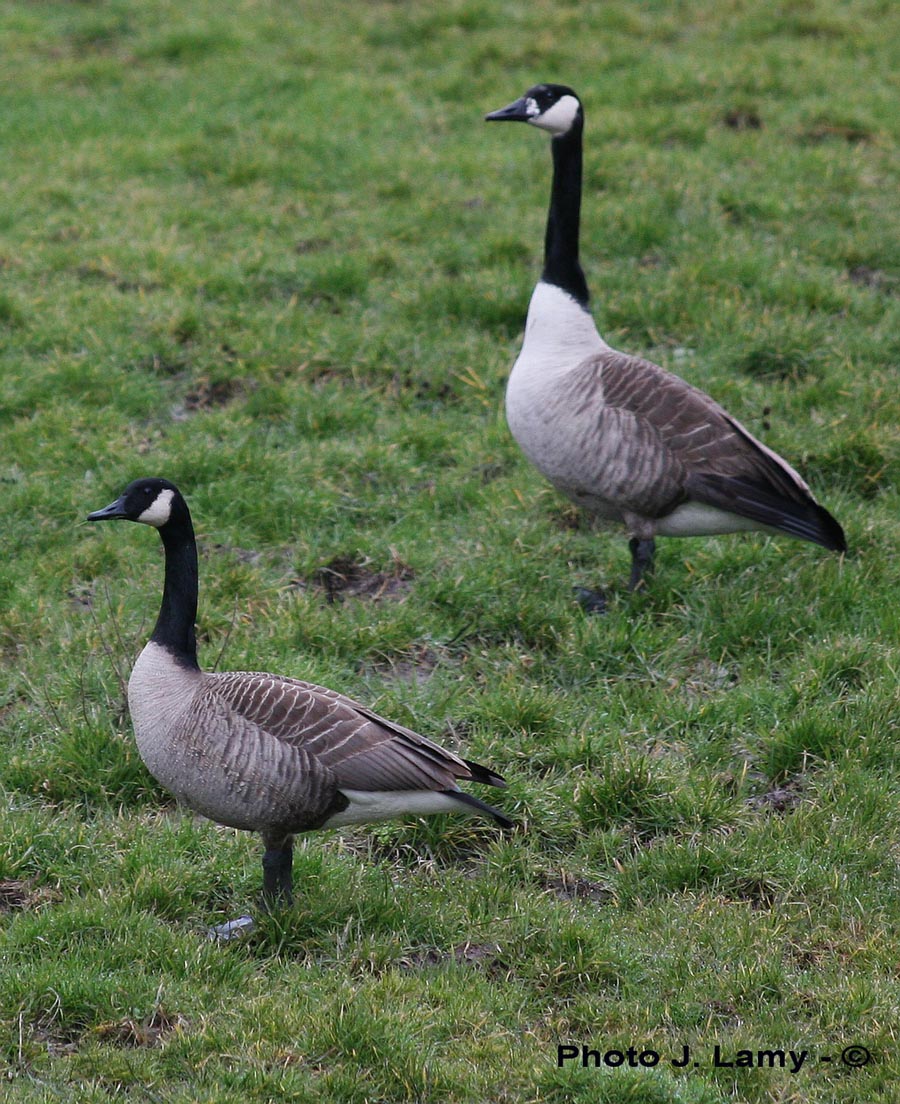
(356, 747)
(664, 442)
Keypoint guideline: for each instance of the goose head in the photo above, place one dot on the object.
(552, 107)
(151, 501)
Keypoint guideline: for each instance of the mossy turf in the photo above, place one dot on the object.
(271, 252)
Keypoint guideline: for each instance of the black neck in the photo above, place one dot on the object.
(178, 612)
(561, 266)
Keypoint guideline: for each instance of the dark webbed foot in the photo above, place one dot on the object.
(642, 552)
(591, 601)
(641, 560)
(277, 862)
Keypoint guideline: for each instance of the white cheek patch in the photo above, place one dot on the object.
(559, 118)
(159, 511)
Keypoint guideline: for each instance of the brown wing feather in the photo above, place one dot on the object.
(689, 428)
(360, 749)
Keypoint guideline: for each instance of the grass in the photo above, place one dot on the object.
(273, 254)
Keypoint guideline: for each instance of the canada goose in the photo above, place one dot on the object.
(263, 752)
(619, 435)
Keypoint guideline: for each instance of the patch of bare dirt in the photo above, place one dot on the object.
(568, 887)
(780, 799)
(92, 272)
(23, 896)
(825, 130)
(742, 118)
(353, 577)
(706, 676)
(757, 892)
(149, 1032)
(82, 595)
(312, 245)
(208, 394)
(482, 956)
(875, 278)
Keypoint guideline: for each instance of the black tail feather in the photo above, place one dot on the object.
(805, 519)
(467, 799)
(484, 775)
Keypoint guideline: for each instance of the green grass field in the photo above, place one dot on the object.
(270, 251)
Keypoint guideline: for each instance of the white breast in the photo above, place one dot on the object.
(559, 336)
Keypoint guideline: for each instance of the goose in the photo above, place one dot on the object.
(621, 437)
(263, 752)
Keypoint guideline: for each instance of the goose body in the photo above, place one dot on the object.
(272, 754)
(265, 752)
(619, 435)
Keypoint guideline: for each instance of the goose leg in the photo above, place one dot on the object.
(641, 560)
(642, 552)
(277, 861)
